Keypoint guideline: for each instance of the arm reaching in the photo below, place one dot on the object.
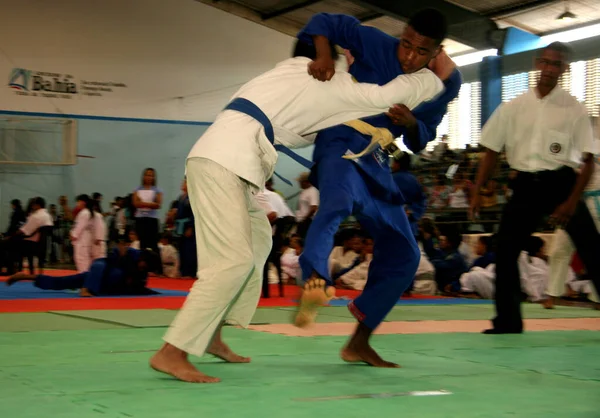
(407, 89)
(345, 31)
(419, 127)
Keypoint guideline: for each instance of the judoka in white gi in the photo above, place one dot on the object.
(169, 256)
(87, 234)
(563, 250)
(231, 162)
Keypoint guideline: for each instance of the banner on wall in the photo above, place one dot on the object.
(26, 82)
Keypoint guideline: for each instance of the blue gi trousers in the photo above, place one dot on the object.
(345, 191)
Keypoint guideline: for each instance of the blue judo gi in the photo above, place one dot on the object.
(107, 276)
(365, 188)
(414, 197)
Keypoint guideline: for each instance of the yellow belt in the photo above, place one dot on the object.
(379, 137)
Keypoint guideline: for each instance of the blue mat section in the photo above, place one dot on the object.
(26, 290)
(441, 301)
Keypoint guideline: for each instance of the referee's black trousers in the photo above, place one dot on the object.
(536, 195)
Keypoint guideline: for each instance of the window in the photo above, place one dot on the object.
(514, 85)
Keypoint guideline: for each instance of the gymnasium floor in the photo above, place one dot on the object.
(61, 356)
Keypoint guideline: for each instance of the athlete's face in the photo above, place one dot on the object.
(552, 65)
(415, 50)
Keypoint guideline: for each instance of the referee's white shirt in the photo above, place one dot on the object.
(541, 134)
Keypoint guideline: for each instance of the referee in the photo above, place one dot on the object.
(546, 134)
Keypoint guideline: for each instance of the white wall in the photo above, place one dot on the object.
(181, 61)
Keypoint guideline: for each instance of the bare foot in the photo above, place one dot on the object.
(84, 293)
(353, 354)
(316, 293)
(19, 277)
(548, 303)
(221, 350)
(174, 362)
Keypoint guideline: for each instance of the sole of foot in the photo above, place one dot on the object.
(315, 294)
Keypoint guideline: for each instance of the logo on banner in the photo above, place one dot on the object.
(19, 79)
(59, 86)
(37, 83)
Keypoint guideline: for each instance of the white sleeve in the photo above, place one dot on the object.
(263, 202)
(313, 197)
(584, 136)
(99, 228)
(81, 220)
(408, 89)
(493, 134)
(31, 225)
(356, 277)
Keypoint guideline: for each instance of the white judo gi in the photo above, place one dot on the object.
(232, 161)
(563, 248)
(169, 256)
(88, 234)
(480, 280)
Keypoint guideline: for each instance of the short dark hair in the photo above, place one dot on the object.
(534, 245)
(167, 236)
(430, 23)
(454, 237)
(40, 202)
(487, 241)
(304, 49)
(560, 47)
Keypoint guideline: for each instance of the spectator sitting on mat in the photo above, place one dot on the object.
(123, 272)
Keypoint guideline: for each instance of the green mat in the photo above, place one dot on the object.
(106, 319)
(22, 322)
(142, 318)
(104, 373)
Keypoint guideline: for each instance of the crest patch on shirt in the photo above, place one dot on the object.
(381, 157)
(555, 148)
(357, 161)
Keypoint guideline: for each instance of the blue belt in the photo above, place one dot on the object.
(245, 106)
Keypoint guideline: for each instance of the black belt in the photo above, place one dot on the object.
(544, 175)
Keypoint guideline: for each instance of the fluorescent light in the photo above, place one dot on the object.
(572, 35)
(474, 57)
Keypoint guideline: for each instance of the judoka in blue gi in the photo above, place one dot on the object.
(123, 272)
(365, 187)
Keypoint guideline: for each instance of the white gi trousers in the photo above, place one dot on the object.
(82, 253)
(561, 255)
(233, 238)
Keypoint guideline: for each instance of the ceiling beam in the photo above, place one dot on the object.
(289, 9)
(280, 25)
(464, 26)
(505, 12)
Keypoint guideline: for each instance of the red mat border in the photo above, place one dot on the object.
(156, 302)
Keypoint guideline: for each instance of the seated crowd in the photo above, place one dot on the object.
(451, 262)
